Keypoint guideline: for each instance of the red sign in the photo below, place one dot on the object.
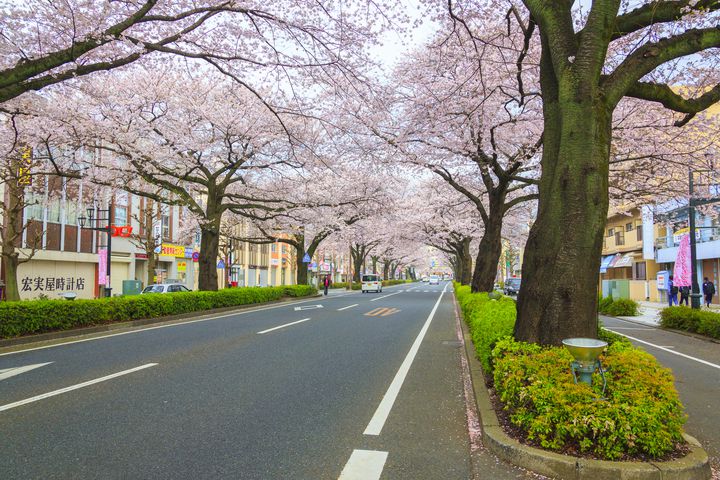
(141, 256)
(125, 231)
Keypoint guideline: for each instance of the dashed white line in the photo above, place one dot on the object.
(364, 465)
(378, 420)
(385, 296)
(283, 326)
(74, 387)
(349, 306)
(667, 349)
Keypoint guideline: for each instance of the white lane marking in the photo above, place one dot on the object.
(74, 387)
(385, 296)
(364, 465)
(349, 306)
(378, 420)
(11, 372)
(633, 328)
(307, 307)
(283, 326)
(244, 312)
(667, 349)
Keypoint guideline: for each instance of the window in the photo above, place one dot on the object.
(120, 216)
(619, 237)
(274, 248)
(611, 232)
(165, 225)
(639, 231)
(639, 271)
(629, 227)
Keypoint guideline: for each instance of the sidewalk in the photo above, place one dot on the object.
(650, 312)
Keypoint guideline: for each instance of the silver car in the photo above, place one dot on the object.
(166, 288)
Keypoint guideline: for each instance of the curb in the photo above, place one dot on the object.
(666, 329)
(694, 466)
(39, 339)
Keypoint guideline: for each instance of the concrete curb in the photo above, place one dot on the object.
(660, 327)
(694, 466)
(28, 341)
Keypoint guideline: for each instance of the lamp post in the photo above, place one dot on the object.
(95, 216)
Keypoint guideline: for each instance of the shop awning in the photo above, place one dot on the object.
(605, 263)
(624, 261)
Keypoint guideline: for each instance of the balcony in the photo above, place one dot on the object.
(708, 245)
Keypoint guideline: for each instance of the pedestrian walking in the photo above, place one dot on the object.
(708, 291)
(326, 283)
(685, 295)
(672, 292)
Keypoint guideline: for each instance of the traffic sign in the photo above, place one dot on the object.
(221, 264)
(306, 258)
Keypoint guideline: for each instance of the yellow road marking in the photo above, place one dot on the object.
(381, 312)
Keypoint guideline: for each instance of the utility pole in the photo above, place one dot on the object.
(695, 296)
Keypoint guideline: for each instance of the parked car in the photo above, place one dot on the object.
(434, 280)
(512, 286)
(371, 282)
(165, 288)
(425, 278)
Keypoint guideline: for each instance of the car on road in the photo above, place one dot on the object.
(371, 282)
(166, 288)
(512, 286)
(434, 280)
(425, 279)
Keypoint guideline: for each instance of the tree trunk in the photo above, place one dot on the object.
(151, 263)
(301, 268)
(11, 234)
(10, 266)
(490, 249)
(209, 248)
(465, 271)
(562, 257)
(386, 270)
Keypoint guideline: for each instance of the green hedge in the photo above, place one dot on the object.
(37, 316)
(641, 414)
(387, 283)
(622, 307)
(691, 320)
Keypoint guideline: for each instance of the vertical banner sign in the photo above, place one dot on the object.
(102, 266)
(24, 169)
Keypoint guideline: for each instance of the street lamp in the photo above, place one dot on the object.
(695, 296)
(95, 216)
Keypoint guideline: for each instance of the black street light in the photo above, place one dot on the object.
(95, 216)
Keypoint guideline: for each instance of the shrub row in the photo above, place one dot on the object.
(640, 414)
(691, 320)
(355, 286)
(622, 307)
(387, 283)
(37, 316)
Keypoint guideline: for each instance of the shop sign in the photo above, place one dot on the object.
(182, 267)
(141, 256)
(172, 250)
(274, 262)
(25, 169)
(52, 284)
(189, 252)
(124, 231)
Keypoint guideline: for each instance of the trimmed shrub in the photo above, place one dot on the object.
(691, 320)
(622, 307)
(387, 283)
(37, 316)
(640, 415)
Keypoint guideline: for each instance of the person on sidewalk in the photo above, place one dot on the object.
(672, 292)
(708, 291)
(326, 283)
(685, 295)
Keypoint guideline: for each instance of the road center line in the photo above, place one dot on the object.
(74, 387)
(283, 326)
(364, 465)
(666, 349)
(385, 296)
(349, 306)
(378, 420)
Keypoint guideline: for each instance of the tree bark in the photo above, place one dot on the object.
(562, 256)
(209, 248)
(12, 231)
(301, 268)
(464, 274)
(490, 247)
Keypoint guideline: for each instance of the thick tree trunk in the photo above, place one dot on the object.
(151, 262)
(464, 274)
(10, 266)
(386, 270)
(12, 230)
(489, 251)
(209, 248)
(301, 268)
(562, 256)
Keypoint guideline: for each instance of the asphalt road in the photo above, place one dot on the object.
(366, 386)
(695, 362)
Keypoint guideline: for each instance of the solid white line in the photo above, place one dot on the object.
(666, 349)
(378, 420)
(283, 326)
(349, 306)
(74, 387)
(385, 296)
(364, 465)
(243, 312)
(633, 328)
(11, 372)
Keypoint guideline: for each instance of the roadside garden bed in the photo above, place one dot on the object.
(691, 320)
(40, 316)
(639, 417)
(621, 307)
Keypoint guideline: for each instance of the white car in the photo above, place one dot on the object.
(425, 279)
(434, 280)
(166, 288)
(371, 282)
